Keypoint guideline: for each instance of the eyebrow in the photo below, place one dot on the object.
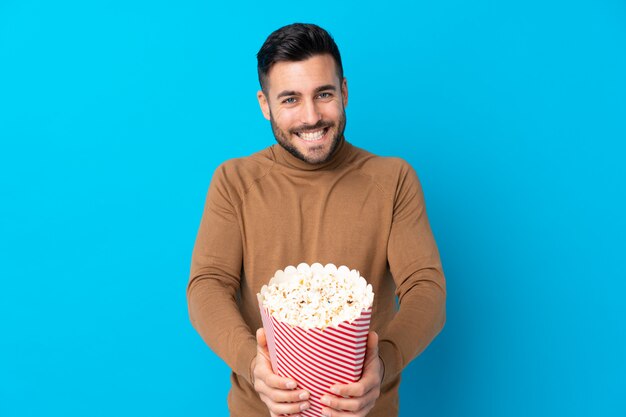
(326, 87)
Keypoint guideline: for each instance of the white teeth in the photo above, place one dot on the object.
(311, 135)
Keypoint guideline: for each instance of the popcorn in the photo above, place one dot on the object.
(316, 296)
(316, 319)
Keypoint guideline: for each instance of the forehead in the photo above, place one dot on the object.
(303, 76)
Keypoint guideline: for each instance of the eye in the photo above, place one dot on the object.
(325, 95)
(289, 100)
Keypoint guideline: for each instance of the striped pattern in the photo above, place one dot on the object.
(315, 358)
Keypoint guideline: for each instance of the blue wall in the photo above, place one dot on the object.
(113, 117)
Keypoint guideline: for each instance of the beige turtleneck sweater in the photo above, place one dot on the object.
(270, 210)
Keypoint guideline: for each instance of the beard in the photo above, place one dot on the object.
(318, 155)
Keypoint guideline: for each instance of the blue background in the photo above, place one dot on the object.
(114, 114)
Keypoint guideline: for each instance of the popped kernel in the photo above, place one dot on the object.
(316, 296)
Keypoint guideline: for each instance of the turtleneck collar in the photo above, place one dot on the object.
(285, 158)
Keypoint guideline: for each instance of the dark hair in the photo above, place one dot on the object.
(296, 42)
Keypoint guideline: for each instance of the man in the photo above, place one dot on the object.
(313, 197)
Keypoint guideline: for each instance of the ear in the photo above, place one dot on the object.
(265, 106)
(344, 92)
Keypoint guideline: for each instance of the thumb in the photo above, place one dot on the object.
(372, 347)
(261, 344)
(261, 340)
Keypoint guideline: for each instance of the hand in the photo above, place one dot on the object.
(278, 393)
(362, 395)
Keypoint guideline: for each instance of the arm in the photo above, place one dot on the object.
(420, 284)
(214, 281)
(211, 293)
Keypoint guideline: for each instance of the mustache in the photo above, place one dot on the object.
(322, 124)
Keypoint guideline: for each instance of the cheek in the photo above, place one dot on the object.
(333, 110)
(285, 119)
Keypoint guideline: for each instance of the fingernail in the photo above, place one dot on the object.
(304, 406)
(326, 413)
(334, 390)
(291, 385)
(324, 400)
(304, 396)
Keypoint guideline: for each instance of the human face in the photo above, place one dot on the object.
(305, 103)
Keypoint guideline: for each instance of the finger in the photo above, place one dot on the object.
(357, 389)
(330, 412)
(276, 381)
(264, 353)
(261, 339)
(263, 373)
(286, 408)
(281, 395)
(261, 345)
(270, 378)
(270, 407)
(350, 404)
(290, 415)
(273, 414)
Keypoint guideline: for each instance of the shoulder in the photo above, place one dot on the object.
(389, 173)
(238, 175)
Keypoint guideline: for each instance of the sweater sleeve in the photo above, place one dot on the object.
(214, 281)
(420, 284)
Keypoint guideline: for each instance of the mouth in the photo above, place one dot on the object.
(312, 135)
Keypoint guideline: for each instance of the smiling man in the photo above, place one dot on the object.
(305, 103)
(313, 197)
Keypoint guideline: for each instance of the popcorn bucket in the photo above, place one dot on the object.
(317, 359)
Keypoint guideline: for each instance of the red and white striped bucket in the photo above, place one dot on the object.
(317, 359)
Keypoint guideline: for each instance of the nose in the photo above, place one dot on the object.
(310, 114)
